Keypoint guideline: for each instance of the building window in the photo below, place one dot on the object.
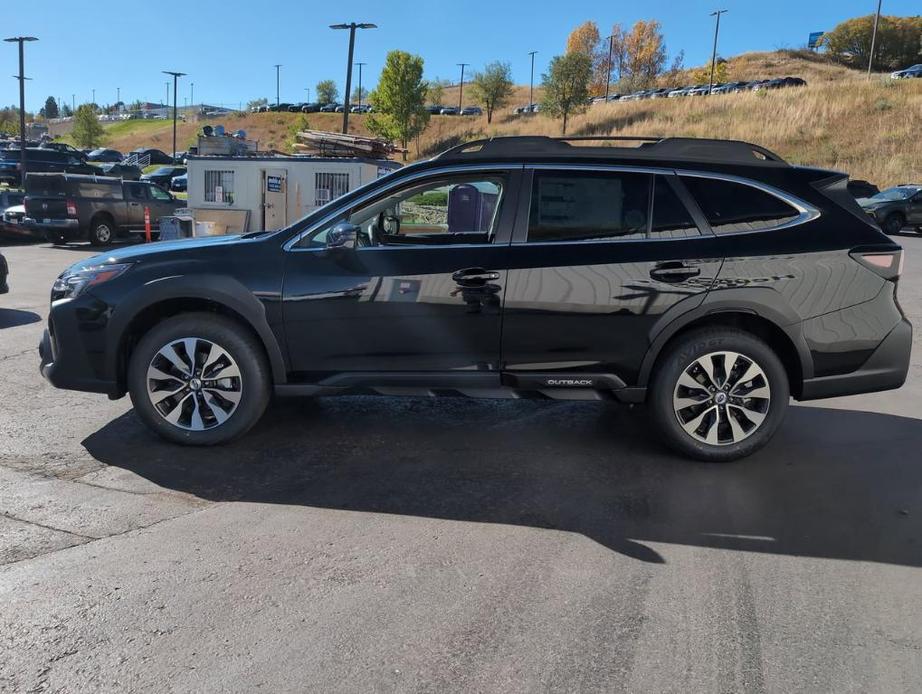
(219, 186)
(329, 186)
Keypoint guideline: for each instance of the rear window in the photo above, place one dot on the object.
(45, 186)
(732, 207)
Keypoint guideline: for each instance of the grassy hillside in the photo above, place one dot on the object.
(840, 121)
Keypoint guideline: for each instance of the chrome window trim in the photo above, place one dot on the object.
(806, 211)
(427, 173)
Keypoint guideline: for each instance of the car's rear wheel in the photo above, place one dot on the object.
(719, 394)
(893, 224)
(102, 231)
(199, 379)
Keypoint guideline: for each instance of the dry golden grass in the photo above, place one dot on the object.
(840, 121)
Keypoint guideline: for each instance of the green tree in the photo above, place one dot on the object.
(899, 42)
(50, 109)
(327, 93)
(87, 131)
(400, 99)
(566, 86)
(435, 91)
(493, 87)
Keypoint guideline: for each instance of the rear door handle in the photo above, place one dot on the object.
(674, 271)
(474, 276)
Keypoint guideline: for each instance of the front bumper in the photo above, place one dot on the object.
(72, 351)
(885, 369)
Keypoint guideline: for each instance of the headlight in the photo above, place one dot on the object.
(72, 284)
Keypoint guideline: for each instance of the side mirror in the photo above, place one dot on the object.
(343, 235)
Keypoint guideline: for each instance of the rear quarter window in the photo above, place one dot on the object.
(731, 207)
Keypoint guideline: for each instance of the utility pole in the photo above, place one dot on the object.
(73, 104)
(277, 83)
(22, 104)
(874, 38)
(192, 93)
(531, 83)
(176, 76)
(717, 14)
(118, 99)
(308, 90)
(361, 65)
(94, 99)
(167, 103)
(611, 45)
(352, 26)
(461, 91)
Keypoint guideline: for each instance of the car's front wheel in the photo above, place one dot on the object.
(894, 223)
(719, 394)
(199, 379)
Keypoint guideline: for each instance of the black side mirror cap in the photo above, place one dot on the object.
(343, 235)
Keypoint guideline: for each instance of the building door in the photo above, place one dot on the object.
(275, 198)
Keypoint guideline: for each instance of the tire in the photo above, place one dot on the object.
(196, 414)
(747, 413)
(893, 224)
(55, 238)
(102, 231)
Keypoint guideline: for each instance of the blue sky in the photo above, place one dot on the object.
(228, 47)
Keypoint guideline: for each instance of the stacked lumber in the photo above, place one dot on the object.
(326, 144)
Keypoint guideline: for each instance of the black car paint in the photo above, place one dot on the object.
(335, 319)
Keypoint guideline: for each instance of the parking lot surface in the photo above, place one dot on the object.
(361, 544)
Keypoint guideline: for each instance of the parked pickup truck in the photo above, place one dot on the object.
(68, 207)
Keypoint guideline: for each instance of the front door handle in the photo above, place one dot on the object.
(474, 276)
(674, 271)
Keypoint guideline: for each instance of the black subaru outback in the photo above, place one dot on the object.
(709, 279)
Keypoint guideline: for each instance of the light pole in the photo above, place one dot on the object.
(277, 83)
(167, 94)
(73, 104)
(717, 14)
(192, 93)
(874, 38)
(308, 90)
(94, 100)
(22, 104)
(176, 76)
(361, 65)
(531, 81)
(611, 45)
(118, 99)
(461, 91)
(351, 26)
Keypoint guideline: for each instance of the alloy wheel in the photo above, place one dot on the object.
(103, 233)
(722, 398)
(194, 383)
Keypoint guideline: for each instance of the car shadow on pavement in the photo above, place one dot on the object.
(13, 317)
(834, 483)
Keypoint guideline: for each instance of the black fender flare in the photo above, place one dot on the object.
(762, 302)
(220, 289)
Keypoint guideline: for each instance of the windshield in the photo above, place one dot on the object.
(895, 194)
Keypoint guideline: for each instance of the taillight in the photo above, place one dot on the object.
(887, 264)
(71, 208)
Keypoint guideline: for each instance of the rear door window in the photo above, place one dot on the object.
(732, 207)
(671, 219)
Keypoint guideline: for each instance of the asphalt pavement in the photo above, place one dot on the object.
(376, 544)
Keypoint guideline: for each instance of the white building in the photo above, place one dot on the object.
(270, 192)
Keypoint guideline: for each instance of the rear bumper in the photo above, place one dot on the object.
(885, 369)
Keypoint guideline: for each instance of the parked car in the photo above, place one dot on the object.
(4, 275)
(329, 108)
(913, 71)
(449, 111)
(105, 155)
(277, 108)
(164, 175)
(313, 107)
(64, 147)
(363, 108)
(730, 87)
(127, 172)
(67, 207)
(472, 111)
(896, 208)
(157, 156)
(12, 219)
(701, 288)
(39, 160)
(436, 109)
(296, 108)
(180, 183)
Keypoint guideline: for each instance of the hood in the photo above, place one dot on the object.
(138, 253)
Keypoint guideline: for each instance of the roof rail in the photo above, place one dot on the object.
(690, 148)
